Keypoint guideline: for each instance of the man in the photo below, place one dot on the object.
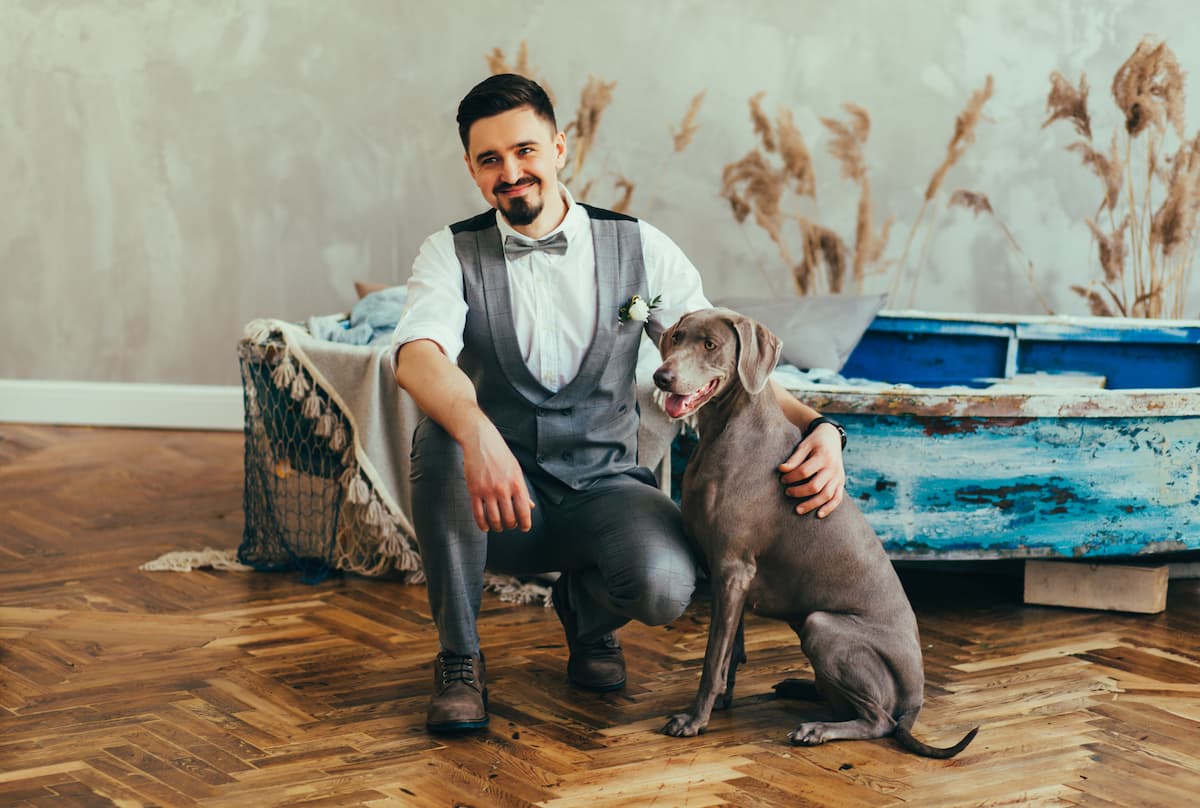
(518, 346)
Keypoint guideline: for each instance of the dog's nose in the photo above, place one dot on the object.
(664, 377)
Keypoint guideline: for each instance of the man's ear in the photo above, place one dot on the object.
(560, 151)
(758, 353)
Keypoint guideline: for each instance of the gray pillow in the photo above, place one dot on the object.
(818, 331)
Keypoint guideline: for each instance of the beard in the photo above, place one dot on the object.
(519, 210)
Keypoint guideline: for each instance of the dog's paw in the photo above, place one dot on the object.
(683, 725)
(807, 735)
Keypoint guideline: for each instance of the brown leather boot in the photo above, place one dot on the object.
(459, 702)
(597, 664)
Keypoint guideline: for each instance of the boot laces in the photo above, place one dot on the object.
(606, 646)
(457, 668)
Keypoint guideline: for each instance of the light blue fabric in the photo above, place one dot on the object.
(371, 321)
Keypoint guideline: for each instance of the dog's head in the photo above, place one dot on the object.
(709, 350)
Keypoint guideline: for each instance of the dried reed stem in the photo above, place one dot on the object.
(682, 137)
(797, 162)
(498, 63)
(626, 186)
(964, 135)
(762, 124)
(822, 246)
(978, 204)
(1151, 277)
(761, 191)
(595, 98)
(848, 147)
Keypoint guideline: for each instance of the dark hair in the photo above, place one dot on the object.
(500, 93)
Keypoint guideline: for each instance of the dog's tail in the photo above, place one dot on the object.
(904, 735)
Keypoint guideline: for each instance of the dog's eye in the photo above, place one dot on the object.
(709, 345)
(676, 338)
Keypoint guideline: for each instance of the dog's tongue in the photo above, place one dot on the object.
(677, 406)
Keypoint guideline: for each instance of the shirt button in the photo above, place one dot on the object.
(566, 456)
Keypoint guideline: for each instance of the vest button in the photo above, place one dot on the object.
(542, 413)
(566, 456)
(541, 458)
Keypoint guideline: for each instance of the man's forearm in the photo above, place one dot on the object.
(796, 410)
(439, 388)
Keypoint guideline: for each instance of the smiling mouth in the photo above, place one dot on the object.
(516, 189)
(678, 406)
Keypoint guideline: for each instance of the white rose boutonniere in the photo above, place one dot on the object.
(637, 309)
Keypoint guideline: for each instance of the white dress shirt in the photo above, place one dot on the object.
(554, 297)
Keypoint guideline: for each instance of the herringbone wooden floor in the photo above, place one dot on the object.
(129, 688)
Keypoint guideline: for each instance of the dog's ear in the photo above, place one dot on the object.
(758, 353)
(664, 339)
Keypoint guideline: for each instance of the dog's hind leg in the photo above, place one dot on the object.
(859, 685)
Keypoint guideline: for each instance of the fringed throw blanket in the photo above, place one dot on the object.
(328, 434)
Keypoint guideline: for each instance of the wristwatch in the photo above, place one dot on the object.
(816, 422)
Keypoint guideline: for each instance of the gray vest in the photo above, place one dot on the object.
(588, 429)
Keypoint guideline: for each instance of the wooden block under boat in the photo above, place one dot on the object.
(1109, 587)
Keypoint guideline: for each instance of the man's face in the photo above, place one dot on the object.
(514, 158)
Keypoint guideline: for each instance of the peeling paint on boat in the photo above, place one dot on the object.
(1025, 469)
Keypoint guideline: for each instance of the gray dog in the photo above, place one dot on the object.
(829, 579)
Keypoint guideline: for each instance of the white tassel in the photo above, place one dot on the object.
(358, 491)
(325, 424)
(338, 440)
(311, 408)
(285, 373)
(391, 546)
(348, 457)
(299, 387)
(376, 515)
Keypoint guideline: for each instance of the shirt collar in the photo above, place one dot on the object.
(573, 224)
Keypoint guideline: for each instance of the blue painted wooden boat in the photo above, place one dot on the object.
(1023, 437)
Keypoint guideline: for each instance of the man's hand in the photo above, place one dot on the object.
(494, 478)
(496, 483)
(815, 471)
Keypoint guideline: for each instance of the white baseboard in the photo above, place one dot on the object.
(163, 406)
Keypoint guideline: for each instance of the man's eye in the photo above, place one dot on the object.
(526, 150)
(709, 345)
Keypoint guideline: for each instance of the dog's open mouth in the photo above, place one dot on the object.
(678, 406)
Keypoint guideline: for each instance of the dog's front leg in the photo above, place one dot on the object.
(730, 583)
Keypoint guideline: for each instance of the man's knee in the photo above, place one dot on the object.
(662, 594)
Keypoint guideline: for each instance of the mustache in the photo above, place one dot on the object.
(505, 186)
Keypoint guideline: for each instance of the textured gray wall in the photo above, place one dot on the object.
(173, 169)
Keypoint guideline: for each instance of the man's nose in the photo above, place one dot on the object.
(510, 170)
(664, 377)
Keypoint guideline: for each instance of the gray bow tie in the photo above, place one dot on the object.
(515, 248)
